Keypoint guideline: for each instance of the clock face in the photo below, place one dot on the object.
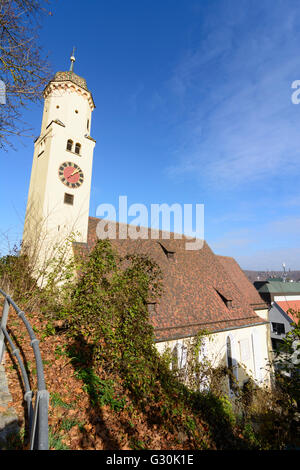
(71, 174)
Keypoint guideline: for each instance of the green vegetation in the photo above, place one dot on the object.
(103, 312)
(100, 391)
(55, 441)
(288, 363)
(56, 400)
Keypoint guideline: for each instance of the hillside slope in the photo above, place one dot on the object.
(82, 418)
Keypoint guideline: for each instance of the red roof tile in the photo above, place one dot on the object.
(193, 282)
(290, 304)
(242, 282)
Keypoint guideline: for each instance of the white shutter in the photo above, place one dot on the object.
(244, 349)
(183, 356)
(203, 350)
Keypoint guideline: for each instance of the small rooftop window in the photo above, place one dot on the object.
(151, 307)
(227, 302)
(169, 252)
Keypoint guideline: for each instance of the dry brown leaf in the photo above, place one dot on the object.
(88, 427)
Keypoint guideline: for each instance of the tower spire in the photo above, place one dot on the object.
(72, 58)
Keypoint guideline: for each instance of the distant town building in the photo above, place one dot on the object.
(281, 319)
(273, 290)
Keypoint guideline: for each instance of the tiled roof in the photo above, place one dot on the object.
(242, 282)
(289, 304)
(70, 76)
(193, 282)
(277, 287)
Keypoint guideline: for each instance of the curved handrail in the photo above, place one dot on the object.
(37, 415)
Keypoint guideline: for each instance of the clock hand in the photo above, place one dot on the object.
(74, 172)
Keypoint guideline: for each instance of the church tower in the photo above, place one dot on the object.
(59, 191)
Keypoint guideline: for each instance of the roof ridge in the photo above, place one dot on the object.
(181, 235)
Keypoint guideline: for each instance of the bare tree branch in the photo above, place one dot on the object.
(23, 67)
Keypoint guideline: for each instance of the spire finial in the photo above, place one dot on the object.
(72, 58)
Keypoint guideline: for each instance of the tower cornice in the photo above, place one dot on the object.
(69, 81)
(70, 76)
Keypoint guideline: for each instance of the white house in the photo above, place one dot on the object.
(281, 318)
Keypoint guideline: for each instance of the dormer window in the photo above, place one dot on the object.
(77, 148)
(227, 302)
(70, 145)
(168, 250)
(151, 307)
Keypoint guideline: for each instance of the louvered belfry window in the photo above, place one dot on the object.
(69, 199)
(69, 144)
(77, 148)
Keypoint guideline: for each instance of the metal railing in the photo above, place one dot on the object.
(37, 413)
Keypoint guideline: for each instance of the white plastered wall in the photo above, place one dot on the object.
(250, 348)
(47, 216)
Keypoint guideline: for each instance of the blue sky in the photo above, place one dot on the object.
(193, 105)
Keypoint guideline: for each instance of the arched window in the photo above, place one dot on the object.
(174, 358)
(183, 357)
(257, 356)
(70, 144)
(77, 148)
(202, 375)
(229, 361)
(203, 350)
